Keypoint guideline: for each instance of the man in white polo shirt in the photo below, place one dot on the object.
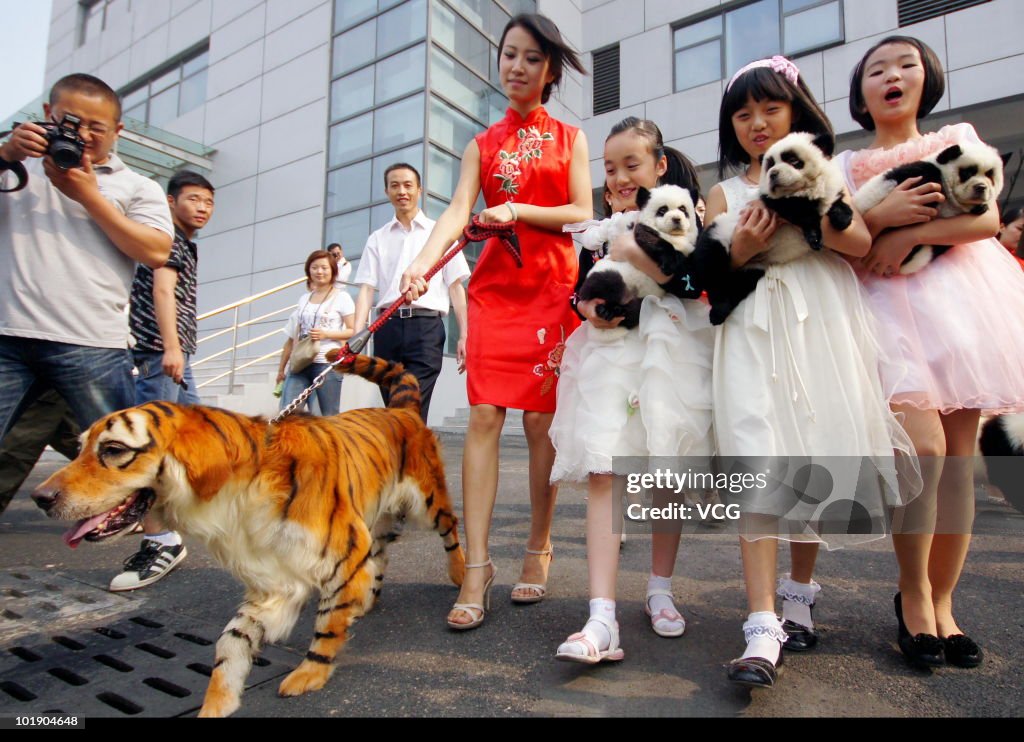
(69, 242)
(414, 336)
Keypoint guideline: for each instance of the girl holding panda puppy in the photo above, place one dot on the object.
(955, 362)
(642, 392)
(795, 365)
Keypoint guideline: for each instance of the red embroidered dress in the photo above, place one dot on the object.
(519, 318)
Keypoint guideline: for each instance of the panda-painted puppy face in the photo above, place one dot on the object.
(972, 174)
(667, 209)
(794, 166)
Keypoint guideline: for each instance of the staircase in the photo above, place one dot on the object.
(254, 388)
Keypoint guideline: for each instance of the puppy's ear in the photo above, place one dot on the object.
(642, 197)
(204, 457)
(1006, 157)
(949, 154)
(826, 143)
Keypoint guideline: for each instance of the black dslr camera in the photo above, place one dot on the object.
(65, 146)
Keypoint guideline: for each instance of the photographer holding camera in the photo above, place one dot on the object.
(69, 241)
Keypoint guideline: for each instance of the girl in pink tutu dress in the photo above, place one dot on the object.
(952, 330)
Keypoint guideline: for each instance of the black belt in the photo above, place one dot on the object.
(410, 312)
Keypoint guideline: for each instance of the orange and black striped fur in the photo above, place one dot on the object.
(306, 503)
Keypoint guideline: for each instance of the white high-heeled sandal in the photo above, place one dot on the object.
(471, 609)
(541, 590)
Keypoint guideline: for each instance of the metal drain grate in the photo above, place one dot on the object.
(32, 600)
(152, 665)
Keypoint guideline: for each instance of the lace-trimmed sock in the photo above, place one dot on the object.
(764, 635)
(797, 599)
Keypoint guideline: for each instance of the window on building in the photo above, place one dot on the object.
(711, 48)
(170, 92)
(606, 80)
(399, 96)
(915, 11)
(93, 15)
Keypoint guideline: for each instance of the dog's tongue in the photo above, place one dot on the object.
(74, 535)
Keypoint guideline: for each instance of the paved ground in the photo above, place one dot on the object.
(403, 661)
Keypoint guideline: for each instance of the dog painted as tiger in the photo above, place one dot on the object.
(305, 503)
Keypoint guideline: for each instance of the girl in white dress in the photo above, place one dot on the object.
(796, 374)
(631, 393)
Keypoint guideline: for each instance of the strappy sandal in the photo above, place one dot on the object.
(541, 590)
(662, 620)
(472, 609)
(592, 655)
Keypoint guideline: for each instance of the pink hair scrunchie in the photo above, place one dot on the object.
(778, 64)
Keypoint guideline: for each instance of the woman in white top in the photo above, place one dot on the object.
(325, 314)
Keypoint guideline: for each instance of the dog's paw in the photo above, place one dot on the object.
(308, 676)
(457, 566)
(219, 702)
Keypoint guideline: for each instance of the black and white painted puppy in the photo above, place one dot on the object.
(801, 184)
(665, 228)
(971, 176)
(1002, 444)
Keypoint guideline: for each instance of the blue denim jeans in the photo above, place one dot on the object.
(328, 396)
(93, 381)
(152, 385)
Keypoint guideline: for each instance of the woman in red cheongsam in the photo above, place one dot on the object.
(533, 170)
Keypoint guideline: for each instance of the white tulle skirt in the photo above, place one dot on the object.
(798, 384)
(644, 392)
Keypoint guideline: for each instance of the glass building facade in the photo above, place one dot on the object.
(411, 81)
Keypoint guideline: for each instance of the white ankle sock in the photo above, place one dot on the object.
(167, 538)
(596, 631)
(659, 602)
(764, 635)
(797, 599)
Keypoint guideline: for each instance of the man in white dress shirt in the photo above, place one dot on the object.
(344, 267)
(415, 334)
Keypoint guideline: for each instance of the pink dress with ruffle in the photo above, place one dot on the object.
(954, 329)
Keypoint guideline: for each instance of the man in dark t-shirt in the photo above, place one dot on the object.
(163, 323)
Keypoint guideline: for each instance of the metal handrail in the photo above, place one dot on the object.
(235, 325)
(253, 321)
(244, 365)
(251, 299)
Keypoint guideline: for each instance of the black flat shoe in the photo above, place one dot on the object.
(924, 650)
(962, 651)
(801, 638)
(755, 672)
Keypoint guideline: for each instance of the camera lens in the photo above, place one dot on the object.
(66, 155)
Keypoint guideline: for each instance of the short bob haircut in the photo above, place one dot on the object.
(763, 83)
(934, 80)
(317, 255)
(552, 46)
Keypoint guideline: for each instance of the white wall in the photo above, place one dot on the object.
(981, 48)
(265, 114)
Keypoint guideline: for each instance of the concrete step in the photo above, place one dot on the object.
(458, 424)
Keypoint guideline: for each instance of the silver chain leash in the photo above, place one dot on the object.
(353, 347)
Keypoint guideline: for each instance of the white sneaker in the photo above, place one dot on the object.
(148, 565)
